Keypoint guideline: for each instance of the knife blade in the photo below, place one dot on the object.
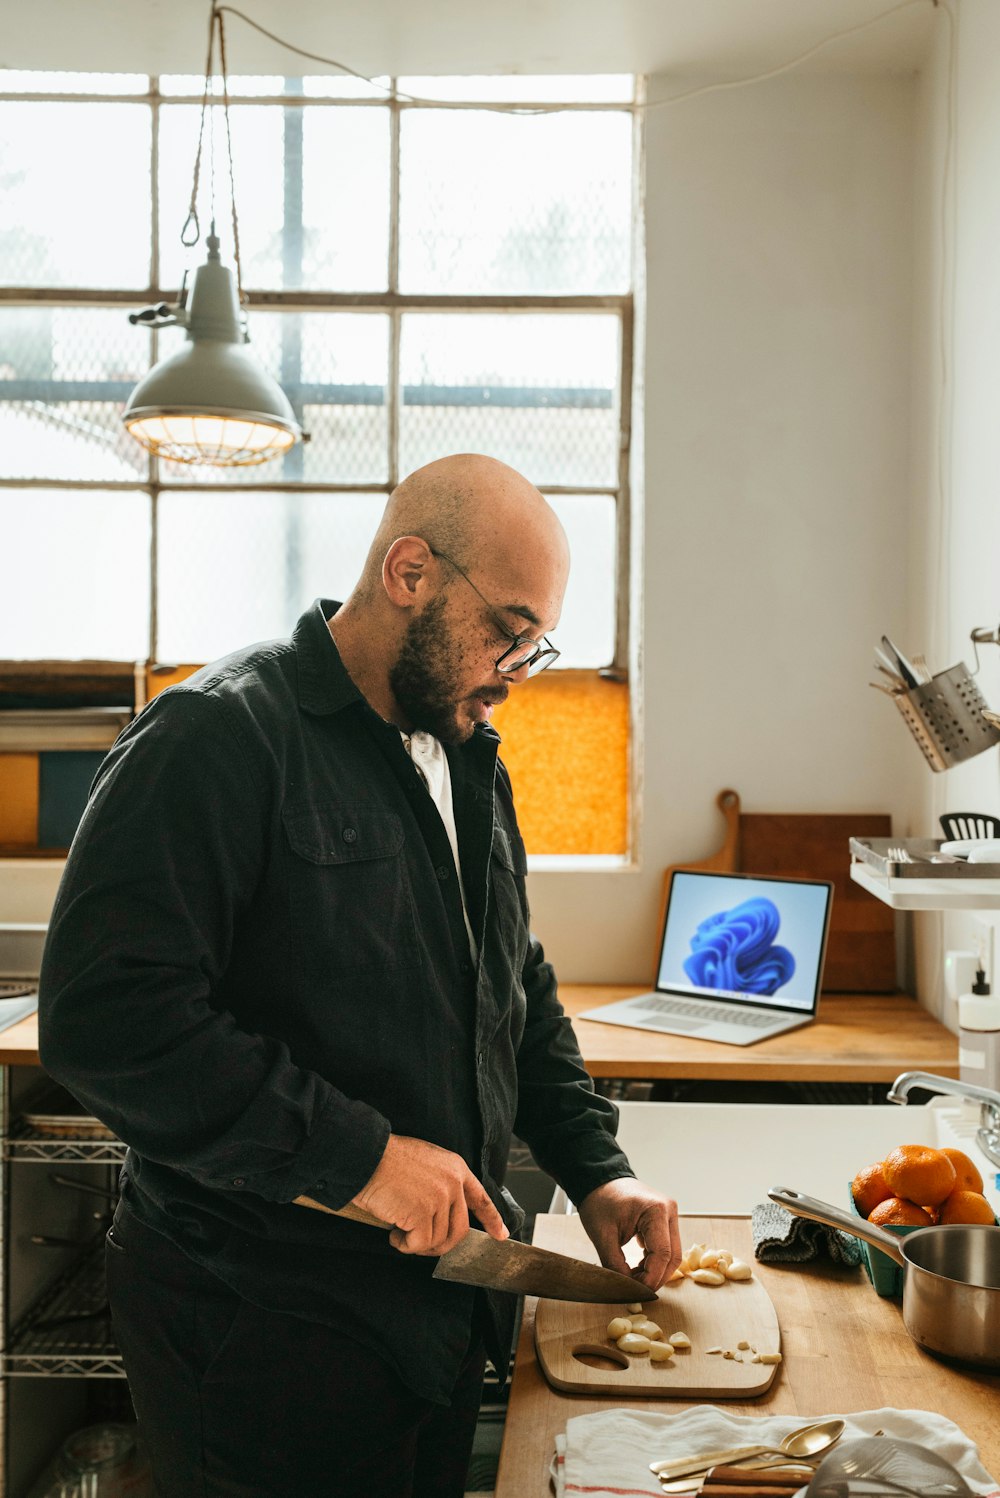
(519, 1268)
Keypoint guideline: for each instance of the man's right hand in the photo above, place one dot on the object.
(429, 1193)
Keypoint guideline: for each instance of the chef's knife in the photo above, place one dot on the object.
(518, 1267)
(902, 665)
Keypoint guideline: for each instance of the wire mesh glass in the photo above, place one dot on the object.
(233, 568)
(76, 574)
(19, 81)
(586, 632)
(65, 373)
(334, 368)
(262, 85)
(312, 191)
(539, 391)
(530, 88)
(515, 204)
(75, 186)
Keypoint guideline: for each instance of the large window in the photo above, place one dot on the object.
(422, 279)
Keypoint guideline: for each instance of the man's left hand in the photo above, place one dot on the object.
(624, 1209)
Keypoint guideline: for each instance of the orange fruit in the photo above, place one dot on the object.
(919, 1174)
(896, 1211)
(966, 1206)
(869, 1188)
(967, 1176)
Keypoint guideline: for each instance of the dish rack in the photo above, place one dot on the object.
(874, 851)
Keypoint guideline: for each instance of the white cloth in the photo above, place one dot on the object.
(607, 1455)
(427, 754)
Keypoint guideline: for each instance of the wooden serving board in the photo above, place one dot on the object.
(712, 1316)
(861, 952)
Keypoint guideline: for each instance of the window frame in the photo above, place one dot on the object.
(391, 302)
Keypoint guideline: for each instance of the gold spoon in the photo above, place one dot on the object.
(807, 1441)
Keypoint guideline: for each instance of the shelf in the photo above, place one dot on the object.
(928, 894)
(24, 1144)
(67, 1333)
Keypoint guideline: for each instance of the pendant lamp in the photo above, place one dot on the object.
(211, 402)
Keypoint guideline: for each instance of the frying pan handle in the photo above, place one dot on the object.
(356, 1214)
(834, 1217)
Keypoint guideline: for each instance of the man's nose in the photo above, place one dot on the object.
(519, 674)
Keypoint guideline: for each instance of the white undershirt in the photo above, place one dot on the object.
(431, 762)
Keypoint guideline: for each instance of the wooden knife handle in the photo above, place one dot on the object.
(356, 1214)
(753, 1476)
(758, 1489)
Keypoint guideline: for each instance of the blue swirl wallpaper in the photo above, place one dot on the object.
(735, 950)
(754, 938)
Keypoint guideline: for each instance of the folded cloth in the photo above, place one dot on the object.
(779, 1237)
(607, 1455)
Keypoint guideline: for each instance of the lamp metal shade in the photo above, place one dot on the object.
(211, 401)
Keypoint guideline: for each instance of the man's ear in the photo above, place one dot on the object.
(405, 570)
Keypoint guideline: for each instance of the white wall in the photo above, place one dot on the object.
(956, 508)
(780, 251)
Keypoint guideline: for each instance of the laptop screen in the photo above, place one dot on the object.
(745, 938)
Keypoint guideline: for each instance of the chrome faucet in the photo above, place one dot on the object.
(988, 1133)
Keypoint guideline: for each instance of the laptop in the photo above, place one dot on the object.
(741, 959)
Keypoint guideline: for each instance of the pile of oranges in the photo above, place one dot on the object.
(915, 1186)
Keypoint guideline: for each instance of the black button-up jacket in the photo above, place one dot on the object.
(257, 967)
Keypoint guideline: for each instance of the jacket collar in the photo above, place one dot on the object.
(324, 685)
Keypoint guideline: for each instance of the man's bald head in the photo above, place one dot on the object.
(469, 558)
(479, 512)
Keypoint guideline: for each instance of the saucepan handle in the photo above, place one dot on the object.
(834, 1217)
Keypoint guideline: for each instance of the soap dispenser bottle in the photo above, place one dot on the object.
(979, 1035)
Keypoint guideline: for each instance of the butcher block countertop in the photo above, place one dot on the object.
(857, 1038)
(845, 1349)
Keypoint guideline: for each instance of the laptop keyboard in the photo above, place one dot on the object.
(754, 1019)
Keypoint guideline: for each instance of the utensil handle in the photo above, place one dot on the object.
(681, 1466)
(834, 1217)
(356, 1214)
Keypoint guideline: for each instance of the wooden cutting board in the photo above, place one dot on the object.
(717, 1316)
(861, 952)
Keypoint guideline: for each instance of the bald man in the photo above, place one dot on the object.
(290, 966)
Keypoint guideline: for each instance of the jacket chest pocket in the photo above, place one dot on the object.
(349, 889)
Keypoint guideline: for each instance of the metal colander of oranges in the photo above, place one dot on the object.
(915, 1186)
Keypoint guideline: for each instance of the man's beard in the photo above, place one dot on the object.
(423, 675)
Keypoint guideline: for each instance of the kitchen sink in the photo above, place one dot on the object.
(721, 1158)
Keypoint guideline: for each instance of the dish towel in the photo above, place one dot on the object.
(779, 1237)
(607, 1455)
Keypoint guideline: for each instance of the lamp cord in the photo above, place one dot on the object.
(191, 223)
(692, 93)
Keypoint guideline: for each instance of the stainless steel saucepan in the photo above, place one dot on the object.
(951, 1278)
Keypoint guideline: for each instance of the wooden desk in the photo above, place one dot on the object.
(844, 1350)
(857, 1038)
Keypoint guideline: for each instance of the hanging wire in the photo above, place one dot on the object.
(706, 88)
(217, 13)
(192, 217)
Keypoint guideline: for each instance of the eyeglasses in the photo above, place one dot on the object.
(523, 650)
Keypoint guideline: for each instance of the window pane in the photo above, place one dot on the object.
(497, 203)
(538, 391)
(65, 373)
(234, 568)
(76, 583)
(326, 229)
(564, 88)
(334, 368)
(333, 86)
(76, 194)
(586, 633)
(15, 82)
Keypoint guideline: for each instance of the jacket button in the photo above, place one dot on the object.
(239, 1180)
(349, 835)
(442, 872)
(465, 969)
